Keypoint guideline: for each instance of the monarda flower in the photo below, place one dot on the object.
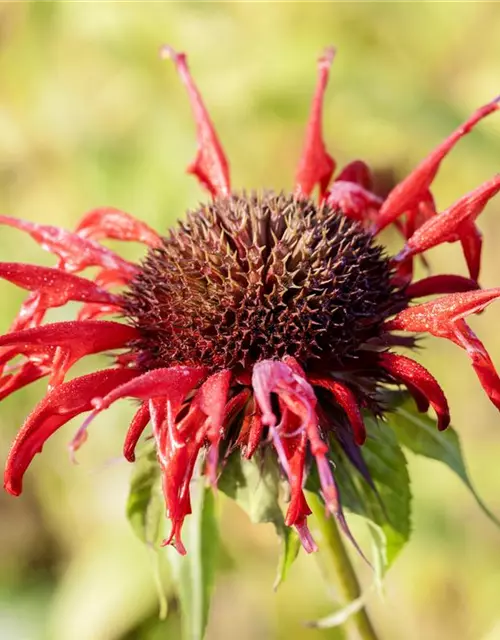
(263, 320)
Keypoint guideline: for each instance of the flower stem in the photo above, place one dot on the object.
(348, 581)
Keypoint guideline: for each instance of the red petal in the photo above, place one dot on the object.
(210, 165)
(353, 200)
(437, 316)
(358, 172)
(108, 222)
(349, 403)
(434, 285)
(417, 376)
(27, 373)
(453, 223)
(411, 190)
(316, 166)
(72, 341)
(75, 253)
(58, 407)
(54, 288)
(137, 426)
(471, 240)
(444, 318)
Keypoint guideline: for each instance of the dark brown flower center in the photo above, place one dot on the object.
(260, 276)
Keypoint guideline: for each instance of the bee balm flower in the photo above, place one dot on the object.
(262, 320)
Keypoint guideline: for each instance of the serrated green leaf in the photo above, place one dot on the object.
(194, 573)
(145, 504)
(255, 485)
(388, 509)
(418, 433)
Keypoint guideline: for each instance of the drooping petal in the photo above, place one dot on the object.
(471, 240)
(347, 400)
(75, 253)
(58, 407)
(210, 165)
(172, 382)
(437, 285)
(409, 371)
(453, 224)
(316, 166)
(444, 318)
(135, 430)
(108, 222)
(407, 194)
(67, 342)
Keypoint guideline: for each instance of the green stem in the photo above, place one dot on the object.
(348, 581)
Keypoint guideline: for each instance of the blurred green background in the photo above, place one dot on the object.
(90, 116)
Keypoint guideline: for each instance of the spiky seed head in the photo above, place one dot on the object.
(255, 276)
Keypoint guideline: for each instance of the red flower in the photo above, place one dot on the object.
(263, 318)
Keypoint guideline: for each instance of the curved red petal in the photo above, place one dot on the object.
(407, 370)
(453, 224)
(108, 222)
(58, 407)
(210, 165)
(408, 193)
(135, 430)
(358, 172)
(316, 166)
(75, 253)
(347, 400)
(437, 285)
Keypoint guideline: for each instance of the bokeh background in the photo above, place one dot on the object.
(90, 116)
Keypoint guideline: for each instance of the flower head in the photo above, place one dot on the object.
(262, 320)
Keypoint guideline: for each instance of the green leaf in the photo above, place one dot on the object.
(194, 573)
(388, 508)
(418, 433)
(255, 485)
(146, 512)
(145, 509)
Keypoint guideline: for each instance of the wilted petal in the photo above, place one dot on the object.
(210, 165)
(58, 407)
(316, 166)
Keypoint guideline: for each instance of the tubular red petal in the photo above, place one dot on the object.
(347, 400)
(58, 407)
(437, 316)
(453, 223)
(358, 172)
(316, 166)
(210, 165)
(75, 253)
(173, 382)
(27, 373)
(407, 370)
(108, 222)
(482, 364)
(434, 285)
(55, 287)
(411, 190)
(135, 430)
(471, 240)
(71, 341)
